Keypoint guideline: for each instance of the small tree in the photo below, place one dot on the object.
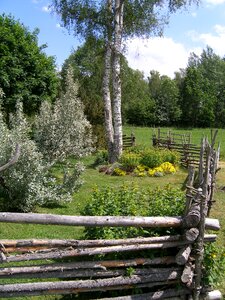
(63, 130)
(27, 183)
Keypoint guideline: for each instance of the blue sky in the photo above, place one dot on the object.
(188, 31)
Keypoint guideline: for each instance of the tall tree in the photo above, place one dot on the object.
(198, 99)
(202, 90)
(26, 72)
(115, 20)
(165, 93)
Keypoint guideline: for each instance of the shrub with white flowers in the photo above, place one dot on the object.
(62, 130)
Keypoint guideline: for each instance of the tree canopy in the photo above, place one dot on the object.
(26, 72)
(113, 21)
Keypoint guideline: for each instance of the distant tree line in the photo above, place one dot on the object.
(195, 97)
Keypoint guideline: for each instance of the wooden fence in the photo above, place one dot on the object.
(128, 141)
(156, 276)
(190, 153)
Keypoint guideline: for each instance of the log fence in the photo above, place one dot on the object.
(179, 259)
(190, 153)
(128, 141)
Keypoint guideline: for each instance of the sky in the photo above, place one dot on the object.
(188, 31)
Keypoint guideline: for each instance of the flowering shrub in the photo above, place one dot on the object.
(119, 172)
(143, 162)
(164, 168)
(140, 171)
(168, 168)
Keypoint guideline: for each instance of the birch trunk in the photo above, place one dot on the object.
(117, 117)
(106, 85)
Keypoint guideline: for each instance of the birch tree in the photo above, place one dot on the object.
(115, 21)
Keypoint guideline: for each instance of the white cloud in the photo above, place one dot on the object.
(46, 8)
(214, 39)
(160, 54)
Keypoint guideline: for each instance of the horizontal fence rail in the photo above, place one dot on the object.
(111, 221)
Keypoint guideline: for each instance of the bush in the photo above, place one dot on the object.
(62, 130)
(101, 158)
(155, 157)
(28, 182)
(130, 160)
(151, 158)
(131, 201)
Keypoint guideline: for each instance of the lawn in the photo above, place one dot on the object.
(92, 178)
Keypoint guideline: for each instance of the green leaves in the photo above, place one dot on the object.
(26, 73)
(132, 201)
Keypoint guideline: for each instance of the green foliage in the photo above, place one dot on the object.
(131, 201)
(130, 160)
(26, 73)
(101, 158)
(63, 130)
(151, 158)
(87, 65)
(155, 157)
(214, 264)
(137, 104)
(140, 162)
(28, 182)
(165, 93)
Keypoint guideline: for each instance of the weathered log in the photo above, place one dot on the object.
(200, 240)
(91, 251)
(11, 246)
(192, 218)
(170, 293)
(210, 238)
(214, 295)
(2, 257)
(212, 224)
(188, 274)
(116, 221)
(191, 234)
(190, 182)
(183, 255)
(34, 272)
(69, 287)
(111, 221)
(100, 265)
(85, 243)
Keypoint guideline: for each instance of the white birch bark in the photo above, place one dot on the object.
(117, 117)
(106, 85)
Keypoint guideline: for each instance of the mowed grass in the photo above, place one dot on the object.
(144, 135)
(93, 178)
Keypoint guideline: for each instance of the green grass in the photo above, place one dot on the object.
(92, 178)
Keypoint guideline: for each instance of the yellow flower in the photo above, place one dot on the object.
(168, 168)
